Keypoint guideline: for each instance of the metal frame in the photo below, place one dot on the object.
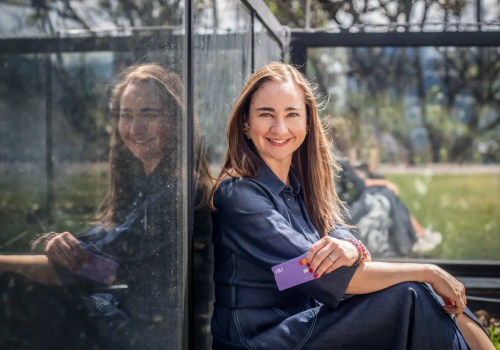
(301, 41)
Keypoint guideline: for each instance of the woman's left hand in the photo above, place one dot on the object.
(328, 254)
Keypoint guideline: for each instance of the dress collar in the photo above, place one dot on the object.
(269, 178)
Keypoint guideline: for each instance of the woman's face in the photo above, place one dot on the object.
(143, 122)
(278, 120)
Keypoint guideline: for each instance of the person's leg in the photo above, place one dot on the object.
(475, 337)
(419, 230)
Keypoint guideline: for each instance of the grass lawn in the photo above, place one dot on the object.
(464, 208)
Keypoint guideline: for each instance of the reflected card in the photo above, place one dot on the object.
(98, 269)
(292, 273)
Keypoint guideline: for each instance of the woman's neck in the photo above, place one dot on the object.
(150, 165)
(280, 168)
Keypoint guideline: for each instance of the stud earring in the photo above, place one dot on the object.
(246, 129)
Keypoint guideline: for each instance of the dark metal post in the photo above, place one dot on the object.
(49, 143)
(189, 312)
(252, 64)
(478, 14)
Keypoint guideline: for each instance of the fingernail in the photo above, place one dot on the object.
(308, 265)
(311, 270)
(316, 275)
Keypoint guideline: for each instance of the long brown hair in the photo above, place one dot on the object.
(127, 170)
(312, 161)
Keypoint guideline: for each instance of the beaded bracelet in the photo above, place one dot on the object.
(361, 250)
(49, 237)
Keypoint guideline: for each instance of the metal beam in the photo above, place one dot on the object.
(267, 18)
(394, 39)
(460, 268)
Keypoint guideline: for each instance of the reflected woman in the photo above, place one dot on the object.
(275, 200)
(141, 227)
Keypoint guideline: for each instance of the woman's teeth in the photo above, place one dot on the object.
(278, 141)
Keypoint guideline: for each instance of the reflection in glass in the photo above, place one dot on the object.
(137, 248)
(425, 120)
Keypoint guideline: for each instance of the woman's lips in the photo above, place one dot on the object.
(277, 142)
(142, 142)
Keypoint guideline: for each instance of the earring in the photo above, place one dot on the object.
(307, 129)
(246, 129)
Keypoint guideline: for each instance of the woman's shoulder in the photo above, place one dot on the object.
(240, 192)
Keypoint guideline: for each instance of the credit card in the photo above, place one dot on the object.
(98, 269)
(292, 273)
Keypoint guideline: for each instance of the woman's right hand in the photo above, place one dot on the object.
(65, 250)
(447, 287)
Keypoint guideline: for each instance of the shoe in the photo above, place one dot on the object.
(422, 246)
(433, 236)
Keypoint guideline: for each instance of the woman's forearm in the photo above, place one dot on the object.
(373, 276)
(34, 267)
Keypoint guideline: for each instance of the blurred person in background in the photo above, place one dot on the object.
(383, 221)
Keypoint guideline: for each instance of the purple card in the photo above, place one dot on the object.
(99, 269)
(292, 273)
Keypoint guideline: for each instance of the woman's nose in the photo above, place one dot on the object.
(138, 127)
(279, 127)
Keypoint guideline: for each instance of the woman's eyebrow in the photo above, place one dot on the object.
(143, 110)
(273, 110)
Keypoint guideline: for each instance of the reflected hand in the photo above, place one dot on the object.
(328, 254)
(447, 287)
(65, 250)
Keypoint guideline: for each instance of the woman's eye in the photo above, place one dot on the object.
(265, 115)
(151, 115)
(293, 115)
(125, 116)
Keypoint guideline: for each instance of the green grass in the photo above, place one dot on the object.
(464, 208)
(495, 337)
(23, 205)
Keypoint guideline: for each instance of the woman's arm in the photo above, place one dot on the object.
(374, 276)
(37, 268)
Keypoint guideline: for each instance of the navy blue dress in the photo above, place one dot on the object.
(261, 223)
(147, 246)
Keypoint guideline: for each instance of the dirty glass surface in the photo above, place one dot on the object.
(93, 238)
(222, 64)
(267, 48)
(421, 127)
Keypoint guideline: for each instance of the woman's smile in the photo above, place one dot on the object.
(278, 142)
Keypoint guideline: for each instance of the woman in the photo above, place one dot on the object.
(275, 200)
(139, 228)
(383, 221)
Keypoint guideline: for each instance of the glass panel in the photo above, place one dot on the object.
(95, 148)
(426, 120)
(222, 64)
(267, 48)
(23, 151)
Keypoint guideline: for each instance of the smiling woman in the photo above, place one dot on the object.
(137, 243)
(274, 201)
(142, 123)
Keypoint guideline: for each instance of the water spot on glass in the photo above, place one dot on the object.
(157, 318)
